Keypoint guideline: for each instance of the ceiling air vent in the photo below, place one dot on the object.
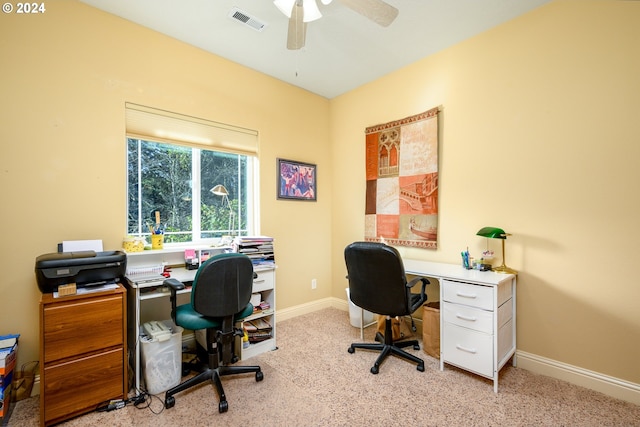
(247, 19)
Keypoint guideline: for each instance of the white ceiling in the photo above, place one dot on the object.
(343, 49)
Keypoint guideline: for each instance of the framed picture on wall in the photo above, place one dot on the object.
(296, 180)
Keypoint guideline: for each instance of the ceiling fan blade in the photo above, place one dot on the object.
(376, 10)
(297, 28)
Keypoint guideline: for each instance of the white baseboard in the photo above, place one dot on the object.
(291, 312)
(611, 386)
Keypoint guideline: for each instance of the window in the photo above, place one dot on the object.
(176, 177)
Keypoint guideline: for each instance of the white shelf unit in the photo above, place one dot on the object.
(265, 284)
(260, 250)
(146, 289)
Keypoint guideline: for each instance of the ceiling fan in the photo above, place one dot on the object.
(300, 12)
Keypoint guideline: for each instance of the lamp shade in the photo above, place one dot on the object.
(492, 233)
(220, 190)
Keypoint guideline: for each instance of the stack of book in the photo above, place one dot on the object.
(264, 307)
(258, 330)
(259, 249)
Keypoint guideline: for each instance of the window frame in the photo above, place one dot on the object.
(160, 126)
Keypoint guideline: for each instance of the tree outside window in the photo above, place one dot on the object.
(177, 181)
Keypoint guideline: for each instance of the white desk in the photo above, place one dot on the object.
(141, 289)
(477, 316)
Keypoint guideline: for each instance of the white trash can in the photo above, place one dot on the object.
(355, 313)
(162, 360)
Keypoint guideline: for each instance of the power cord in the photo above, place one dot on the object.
(144, 400)
(141, 401)
(111, 405)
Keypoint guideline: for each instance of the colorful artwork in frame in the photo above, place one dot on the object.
(401, 206)
(297, 180)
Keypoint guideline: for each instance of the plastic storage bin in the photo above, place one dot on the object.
(162, 360)
(355, 314)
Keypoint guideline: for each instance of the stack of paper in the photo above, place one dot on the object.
(258, 248)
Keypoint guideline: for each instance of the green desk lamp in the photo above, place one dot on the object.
(497, 233)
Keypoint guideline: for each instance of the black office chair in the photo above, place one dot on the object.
(377, 283)
(219, 298)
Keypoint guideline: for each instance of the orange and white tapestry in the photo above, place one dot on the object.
(402, 181)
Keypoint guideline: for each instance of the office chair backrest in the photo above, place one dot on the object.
(377, 280)
(222, 286)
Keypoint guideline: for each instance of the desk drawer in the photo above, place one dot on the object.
(82, 325)
(469, 317)
(79, 385)
(468, 349)
(465, 293)
(264, 281)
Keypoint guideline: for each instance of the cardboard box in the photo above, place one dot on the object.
(431, 329)
(8, 356)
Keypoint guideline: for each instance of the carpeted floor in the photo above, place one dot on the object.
(311, 380)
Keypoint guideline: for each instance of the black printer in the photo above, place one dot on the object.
(84, 268)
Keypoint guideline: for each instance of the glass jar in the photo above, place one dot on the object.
(133, 244)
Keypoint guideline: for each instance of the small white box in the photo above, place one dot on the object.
(162, 360)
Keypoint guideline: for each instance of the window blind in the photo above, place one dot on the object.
(164, 126)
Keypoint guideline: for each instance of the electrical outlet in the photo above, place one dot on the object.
(314, 284)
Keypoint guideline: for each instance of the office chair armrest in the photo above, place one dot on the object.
(415, 280)
(417, 299)
(174, 286)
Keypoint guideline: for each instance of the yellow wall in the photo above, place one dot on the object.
(65, 78)
(539, 136)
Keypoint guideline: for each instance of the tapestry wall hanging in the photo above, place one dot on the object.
(402, 181)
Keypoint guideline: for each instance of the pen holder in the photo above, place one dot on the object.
(157, 241)
(467, 261)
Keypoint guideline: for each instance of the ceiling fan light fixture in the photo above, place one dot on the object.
(310, 8)
(311, 11)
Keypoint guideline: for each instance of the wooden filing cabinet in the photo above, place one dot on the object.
(83, 353)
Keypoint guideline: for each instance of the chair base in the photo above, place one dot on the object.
(389, 347)
(214, 375)
(214, 370)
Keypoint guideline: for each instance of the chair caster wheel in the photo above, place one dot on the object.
(420, 368)
(259, 376)
(351, 350)
(223, 406)
(374, 370)
(416, 347)
(170, 402)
